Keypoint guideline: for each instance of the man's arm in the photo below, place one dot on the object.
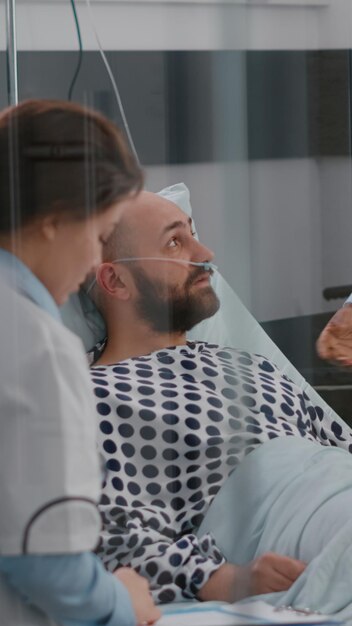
(189, 566)
(76, 590)
(175, 566)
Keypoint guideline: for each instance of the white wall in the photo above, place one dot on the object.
(148, 25)
(286, 238)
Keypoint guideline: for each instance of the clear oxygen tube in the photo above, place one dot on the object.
(206, 265)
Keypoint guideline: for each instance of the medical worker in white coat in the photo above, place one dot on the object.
(64, 173)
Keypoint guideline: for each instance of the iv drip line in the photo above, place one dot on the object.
(113, 82)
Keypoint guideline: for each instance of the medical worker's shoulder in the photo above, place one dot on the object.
(25, 322)
(37, 351)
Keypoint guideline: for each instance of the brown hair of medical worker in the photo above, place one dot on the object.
(59, 157)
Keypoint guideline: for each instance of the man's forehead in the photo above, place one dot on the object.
(150, 209)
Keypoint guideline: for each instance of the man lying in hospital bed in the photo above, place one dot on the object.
(176, 421)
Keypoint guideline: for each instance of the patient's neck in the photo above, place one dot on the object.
(135, 339)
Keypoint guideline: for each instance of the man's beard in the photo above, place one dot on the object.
(173, 309)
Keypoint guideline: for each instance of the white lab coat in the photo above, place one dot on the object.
(49, 469)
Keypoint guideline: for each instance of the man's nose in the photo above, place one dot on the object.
(203, 253)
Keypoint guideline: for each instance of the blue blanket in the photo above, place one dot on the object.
(293, 497)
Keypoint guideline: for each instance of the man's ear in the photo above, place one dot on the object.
(112, 279)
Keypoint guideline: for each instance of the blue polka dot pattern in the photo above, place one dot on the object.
(173, 425)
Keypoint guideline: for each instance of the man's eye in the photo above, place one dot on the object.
(173, 243)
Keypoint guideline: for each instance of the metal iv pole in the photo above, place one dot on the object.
(12, 80)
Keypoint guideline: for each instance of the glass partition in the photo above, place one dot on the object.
(248, 103)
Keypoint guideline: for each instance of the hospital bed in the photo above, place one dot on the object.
(233, 325)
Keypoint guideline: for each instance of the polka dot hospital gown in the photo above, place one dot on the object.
(172, 426)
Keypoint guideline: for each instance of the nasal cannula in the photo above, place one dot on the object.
(206, 265)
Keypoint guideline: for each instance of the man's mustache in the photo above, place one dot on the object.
(197, 273)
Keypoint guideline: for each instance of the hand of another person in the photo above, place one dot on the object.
(138, 588)
(335, 341)
(269, 572)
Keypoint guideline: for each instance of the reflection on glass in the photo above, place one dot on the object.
(209, 395)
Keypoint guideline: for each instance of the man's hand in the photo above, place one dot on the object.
(269, 572)
(138, 588)
(335, 341)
